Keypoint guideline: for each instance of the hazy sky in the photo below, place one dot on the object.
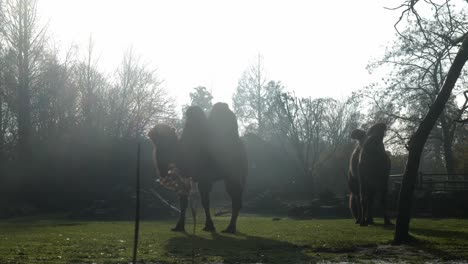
(316, 48)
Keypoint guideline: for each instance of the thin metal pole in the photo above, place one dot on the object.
(137, 209)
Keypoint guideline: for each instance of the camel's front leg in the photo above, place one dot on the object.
(364, 210)
(355, 207)
(180, 227)
(236, 195)
(204, 189)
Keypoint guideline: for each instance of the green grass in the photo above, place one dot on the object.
(260, 240)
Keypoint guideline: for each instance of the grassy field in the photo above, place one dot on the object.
(260, 240)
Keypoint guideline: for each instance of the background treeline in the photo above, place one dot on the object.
(69, 131)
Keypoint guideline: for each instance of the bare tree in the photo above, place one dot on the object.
(2, 66)
(313, 129)
(8, 84)
(25, 39)
(419, 138)
(55, 100)
(253, 95)
(419, 61)
(91, 84)
(138, 99)
(2, 111)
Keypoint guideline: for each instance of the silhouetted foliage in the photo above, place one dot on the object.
(201, 97)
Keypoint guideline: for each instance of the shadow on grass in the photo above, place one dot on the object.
(449, 251)
(440, 233)
(238, 248)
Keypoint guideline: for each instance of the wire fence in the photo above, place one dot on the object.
(434, 182)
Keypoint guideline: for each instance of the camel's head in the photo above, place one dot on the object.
(377, 130)
(164, 140)
(358, 135)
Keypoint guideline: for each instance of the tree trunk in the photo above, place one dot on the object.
(418, 141)
(24, 119)
(447, 140)
(2, 136)
(450, 163)
(24, 101)
(23, 89)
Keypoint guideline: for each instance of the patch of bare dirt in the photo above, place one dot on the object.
(399, 252)
(386, 254)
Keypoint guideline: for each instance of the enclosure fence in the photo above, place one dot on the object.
(434, 182)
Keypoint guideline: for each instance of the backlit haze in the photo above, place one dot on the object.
(316, 48)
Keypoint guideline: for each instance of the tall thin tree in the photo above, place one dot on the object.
(25, 39)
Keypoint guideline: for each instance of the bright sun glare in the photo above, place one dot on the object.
(315, 48)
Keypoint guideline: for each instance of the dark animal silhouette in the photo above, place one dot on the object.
(229, 162)
(373, 172)
(353, 177)
(193, 157)
(209, 149)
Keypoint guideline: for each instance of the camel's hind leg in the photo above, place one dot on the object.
(364, 210)
(370, 208)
